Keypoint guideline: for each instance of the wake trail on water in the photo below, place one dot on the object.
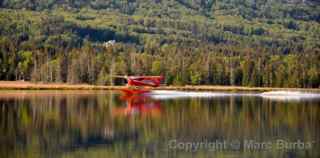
(167, 94)
(290, 95)
(272, 95)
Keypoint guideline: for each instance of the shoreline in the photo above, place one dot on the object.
(24, 85)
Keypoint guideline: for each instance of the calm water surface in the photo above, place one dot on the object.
(164, 124)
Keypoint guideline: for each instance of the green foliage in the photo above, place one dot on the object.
(25, 62)
(156, 68)
(195, 78)
(238, 42)
(178, 80)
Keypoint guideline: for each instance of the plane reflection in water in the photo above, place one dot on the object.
(138, 105)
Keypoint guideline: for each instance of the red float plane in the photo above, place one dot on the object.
(140, 84)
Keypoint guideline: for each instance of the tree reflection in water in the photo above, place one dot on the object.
(101, 123)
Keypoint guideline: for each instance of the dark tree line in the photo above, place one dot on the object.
(96, 64)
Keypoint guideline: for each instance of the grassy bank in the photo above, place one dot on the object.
(22, 85)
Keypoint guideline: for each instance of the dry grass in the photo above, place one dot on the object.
(23, 85)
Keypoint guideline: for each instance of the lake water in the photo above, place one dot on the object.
(161, 124)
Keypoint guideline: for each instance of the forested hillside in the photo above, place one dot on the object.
(224, 42)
